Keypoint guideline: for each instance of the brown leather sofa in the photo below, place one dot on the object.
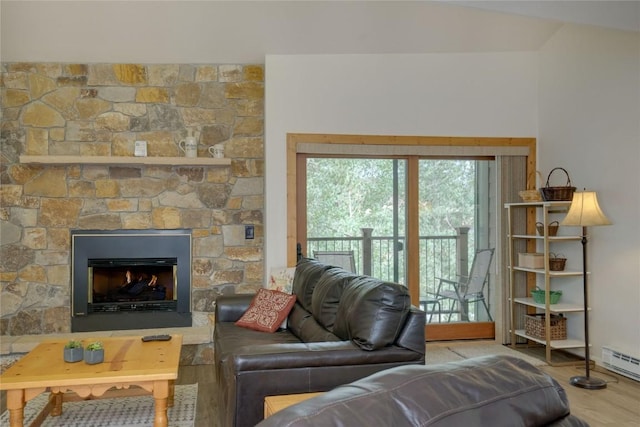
(343, 327)
(492, 391)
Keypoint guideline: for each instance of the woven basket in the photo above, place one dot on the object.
(552, 228)
(530, 195)
(534, 326)
(557, 262)
(538, 296)
(552, 194)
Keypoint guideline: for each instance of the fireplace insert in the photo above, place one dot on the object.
(133, 279)
(132, 284)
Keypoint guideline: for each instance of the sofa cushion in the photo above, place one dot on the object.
(327, 294)
(267, 310)
(308, 271)
(231, 339)
(302, 324)
(297, 318)
(372, 312)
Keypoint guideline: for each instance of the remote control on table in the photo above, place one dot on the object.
(148, 338)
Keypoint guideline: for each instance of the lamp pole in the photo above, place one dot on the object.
(585, 211)
(586, 381)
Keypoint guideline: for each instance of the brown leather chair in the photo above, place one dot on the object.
(490, 391)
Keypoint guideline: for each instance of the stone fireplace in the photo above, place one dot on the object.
(130, 279)
(84, 111)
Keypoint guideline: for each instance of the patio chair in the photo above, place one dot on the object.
(342, 259)
(467, 289)
(431, 306)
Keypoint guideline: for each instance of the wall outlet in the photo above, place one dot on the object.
(248, 232)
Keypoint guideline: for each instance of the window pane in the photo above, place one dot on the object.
(359, 205)
(453, 208)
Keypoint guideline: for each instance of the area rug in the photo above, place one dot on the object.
(443, 353)
(7, 360)
(119, 412)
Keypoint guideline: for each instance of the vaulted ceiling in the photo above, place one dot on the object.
(621, 15)
(244, 31)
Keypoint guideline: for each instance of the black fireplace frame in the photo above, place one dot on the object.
(119, 244)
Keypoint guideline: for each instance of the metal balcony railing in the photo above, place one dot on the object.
(384, 257)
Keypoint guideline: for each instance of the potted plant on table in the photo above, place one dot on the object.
(73, 351)
(94, 353)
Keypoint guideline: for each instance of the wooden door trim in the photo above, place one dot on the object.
(461, 331)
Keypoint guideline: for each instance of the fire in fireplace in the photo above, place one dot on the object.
(132, 284)
(130, 279)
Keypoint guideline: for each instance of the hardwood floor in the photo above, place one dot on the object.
(207, 405)
(617, 405)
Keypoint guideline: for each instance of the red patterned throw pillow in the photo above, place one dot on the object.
(267, 310)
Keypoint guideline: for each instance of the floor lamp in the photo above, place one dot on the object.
(585, 212)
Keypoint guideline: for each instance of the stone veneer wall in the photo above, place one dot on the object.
(101, 109)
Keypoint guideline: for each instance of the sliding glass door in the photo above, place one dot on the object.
(410, 210)
(357, 216)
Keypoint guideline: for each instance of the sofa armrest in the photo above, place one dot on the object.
(230, 308)
(412, 335)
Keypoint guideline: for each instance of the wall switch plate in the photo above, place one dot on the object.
(248, 232)
(140, 149)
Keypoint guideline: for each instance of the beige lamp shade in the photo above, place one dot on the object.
(585, 211)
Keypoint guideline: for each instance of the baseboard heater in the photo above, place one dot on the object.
(621, 363)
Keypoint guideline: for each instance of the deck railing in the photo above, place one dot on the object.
(384, 257)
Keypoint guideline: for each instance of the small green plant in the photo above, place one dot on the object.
(94, 346)
(73, 344)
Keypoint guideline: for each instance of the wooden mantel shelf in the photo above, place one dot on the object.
(125, 160)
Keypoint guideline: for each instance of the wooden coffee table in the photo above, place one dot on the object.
(273, 404)
(152, 366)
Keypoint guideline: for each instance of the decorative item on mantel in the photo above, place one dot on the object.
(556, 194)
(583, 212)
(189, 145)
(217, 151)
(73, 351)
(94, 353)
(140, 149)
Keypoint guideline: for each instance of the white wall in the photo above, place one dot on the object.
(587, 105)
(488, 94)
(590, 125)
